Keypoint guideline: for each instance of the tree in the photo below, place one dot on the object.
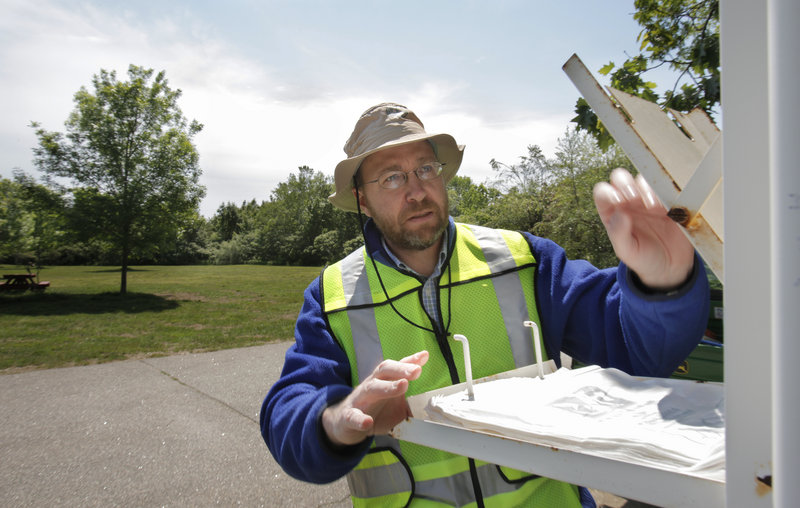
(13, 221)
(571, 218)
(529, 176)
(526, 192)
(226, 222)
(31, 219)
(468, 200)
(297, 226)
(128, 151)
(553, 198)
(46, 208)
(681, 34)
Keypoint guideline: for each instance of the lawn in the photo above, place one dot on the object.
(81, 318)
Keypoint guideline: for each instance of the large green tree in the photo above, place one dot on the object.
(682, 35)
(129, 154)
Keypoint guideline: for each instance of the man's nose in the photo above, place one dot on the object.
(415, 190)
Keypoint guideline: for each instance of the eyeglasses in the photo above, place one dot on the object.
(396, 179)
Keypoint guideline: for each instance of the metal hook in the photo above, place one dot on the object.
(467, 364)
(536, 345)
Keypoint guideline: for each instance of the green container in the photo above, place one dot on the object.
(715, 330)
(703, 364)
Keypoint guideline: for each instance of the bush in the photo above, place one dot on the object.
(240, 249)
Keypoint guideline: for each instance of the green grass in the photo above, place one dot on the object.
(81, 318)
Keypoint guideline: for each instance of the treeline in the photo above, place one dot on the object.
(43, 224)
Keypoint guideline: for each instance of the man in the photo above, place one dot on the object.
(375, 326)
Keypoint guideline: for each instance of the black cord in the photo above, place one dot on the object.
(380, 279)
(449, 298)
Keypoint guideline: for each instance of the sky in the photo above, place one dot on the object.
(280, 84)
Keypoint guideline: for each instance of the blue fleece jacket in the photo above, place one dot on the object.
(596, 316)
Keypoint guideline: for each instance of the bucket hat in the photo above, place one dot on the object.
(384, 126)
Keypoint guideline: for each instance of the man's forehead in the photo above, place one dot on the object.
(420, 151)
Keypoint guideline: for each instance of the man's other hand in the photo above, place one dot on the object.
(376, 405)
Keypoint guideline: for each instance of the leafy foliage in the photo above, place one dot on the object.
(129, 154)
(31, 220)
(680, 34)
(469, 201)
(297, 226)
(551, 198)
(571, 219)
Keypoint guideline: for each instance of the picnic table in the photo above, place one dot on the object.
(22, 282)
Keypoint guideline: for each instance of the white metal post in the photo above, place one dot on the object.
(747, 249)
(784, 111)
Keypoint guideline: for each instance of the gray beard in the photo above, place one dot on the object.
(412, 241)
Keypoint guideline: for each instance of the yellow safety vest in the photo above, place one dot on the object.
(486, 291)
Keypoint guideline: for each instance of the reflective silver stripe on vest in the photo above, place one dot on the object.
(457, 489)
(454, 490)
(509, 292)
(380, 481)
(367, 343)
(386, 442)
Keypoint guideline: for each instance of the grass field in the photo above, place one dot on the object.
(81, 318)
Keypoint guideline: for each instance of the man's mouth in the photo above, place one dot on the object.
(419, 216)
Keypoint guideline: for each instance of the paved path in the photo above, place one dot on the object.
(173, 431)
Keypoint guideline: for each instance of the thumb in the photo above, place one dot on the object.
(355, 419)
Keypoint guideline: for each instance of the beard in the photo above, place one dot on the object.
(418, 238)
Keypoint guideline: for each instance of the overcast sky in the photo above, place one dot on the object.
(280, 84)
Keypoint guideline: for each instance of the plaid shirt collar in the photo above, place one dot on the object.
(442, 256)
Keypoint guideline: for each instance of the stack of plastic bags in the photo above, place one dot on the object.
(671, 424)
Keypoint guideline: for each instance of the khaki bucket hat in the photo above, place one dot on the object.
(384, 126)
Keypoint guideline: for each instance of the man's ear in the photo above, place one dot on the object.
(362, 201)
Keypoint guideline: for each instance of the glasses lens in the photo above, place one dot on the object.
(392, 180)
(429, 171)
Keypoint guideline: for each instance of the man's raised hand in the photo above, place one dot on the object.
(643, 236)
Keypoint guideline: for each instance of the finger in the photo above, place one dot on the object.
(619, 227)
(393, 369)
(622, 180)
(636, 193)
(609, 203)
(651, 201)
(419, 358)
(376, 389)
(607, 199)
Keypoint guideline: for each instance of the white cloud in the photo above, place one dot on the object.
(503, 141)
(259, 127)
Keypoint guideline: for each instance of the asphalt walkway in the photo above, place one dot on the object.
(173, 431)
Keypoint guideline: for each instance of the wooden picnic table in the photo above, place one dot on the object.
(22, 282)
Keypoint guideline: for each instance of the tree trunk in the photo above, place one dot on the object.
(123, 287)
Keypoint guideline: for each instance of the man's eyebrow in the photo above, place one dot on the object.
(393, 167)
(396, 167)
